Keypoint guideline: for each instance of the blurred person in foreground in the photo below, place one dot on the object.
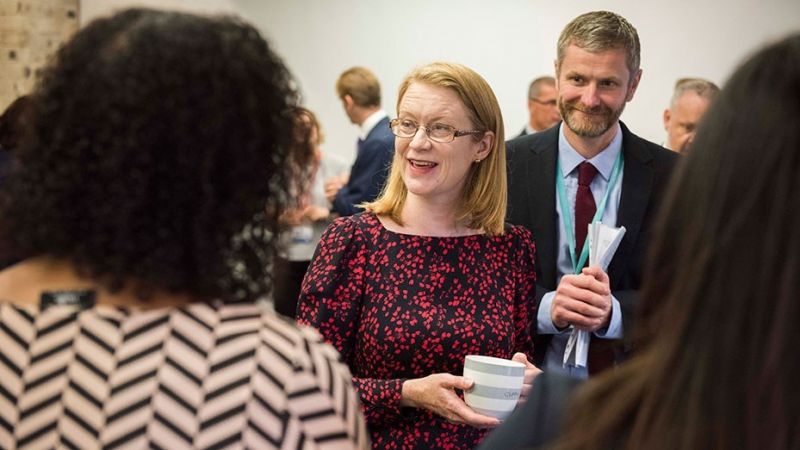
(430, 272)
(310, 215)
(145, 205)
(717, 365)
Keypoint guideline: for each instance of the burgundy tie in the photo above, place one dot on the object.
(584, 204)
(601, 352)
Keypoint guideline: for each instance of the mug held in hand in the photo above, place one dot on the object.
(498, 384)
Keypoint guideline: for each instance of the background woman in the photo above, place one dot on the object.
(430, 272)
(310, 215)
(139, 205)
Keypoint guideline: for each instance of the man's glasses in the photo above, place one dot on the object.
(545, 102)
(437, 132)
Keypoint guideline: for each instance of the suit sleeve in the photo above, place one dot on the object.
(367, 176)
(515, 216)
(628, 299)
(331, 300)
(525, 303)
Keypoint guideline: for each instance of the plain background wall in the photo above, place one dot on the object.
(91, 9)
(509, 42)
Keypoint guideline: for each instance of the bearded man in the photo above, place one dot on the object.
(588, 168)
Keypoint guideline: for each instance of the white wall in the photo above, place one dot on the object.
(92, 9)
(509, 42)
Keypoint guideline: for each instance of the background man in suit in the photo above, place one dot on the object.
(597, 72)
(360, 92)
(542, 108)
(690, 100)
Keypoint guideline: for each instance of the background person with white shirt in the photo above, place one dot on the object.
(589, 157)
(360, 92)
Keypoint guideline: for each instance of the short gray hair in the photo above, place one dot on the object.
(599, 31)
(702, 87)
(536, 86)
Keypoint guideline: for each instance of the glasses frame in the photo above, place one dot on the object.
(456, 132)
(550, 103)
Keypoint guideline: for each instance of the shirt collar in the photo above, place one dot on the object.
(603, 161)
(370, 123)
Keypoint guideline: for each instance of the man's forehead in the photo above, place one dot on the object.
(547, 90)
(609, 59)
(693, 101)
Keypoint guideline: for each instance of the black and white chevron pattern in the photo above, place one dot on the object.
(203, 376)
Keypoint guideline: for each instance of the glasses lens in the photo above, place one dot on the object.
(404, 127)
(441, 133)
(544, 102)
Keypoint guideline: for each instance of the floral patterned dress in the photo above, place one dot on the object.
(401, 306)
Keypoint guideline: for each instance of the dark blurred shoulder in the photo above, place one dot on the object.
(541, 417)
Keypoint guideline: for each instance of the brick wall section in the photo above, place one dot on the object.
(30, 32)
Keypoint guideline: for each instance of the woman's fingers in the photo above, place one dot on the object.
(470, 417)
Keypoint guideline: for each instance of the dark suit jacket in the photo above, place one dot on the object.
(532, 203)
(369, 171)
(540, 420)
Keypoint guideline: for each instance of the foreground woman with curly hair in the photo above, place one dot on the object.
(145, 206)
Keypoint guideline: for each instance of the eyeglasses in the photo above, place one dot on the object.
(437, 132)
(546, 103)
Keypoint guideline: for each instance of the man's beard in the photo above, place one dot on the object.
(600, 119)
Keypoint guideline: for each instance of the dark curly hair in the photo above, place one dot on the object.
(14, 122)
(159, 157)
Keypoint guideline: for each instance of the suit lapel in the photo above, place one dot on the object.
(637, 184)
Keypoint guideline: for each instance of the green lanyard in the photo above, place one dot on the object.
(567, 217)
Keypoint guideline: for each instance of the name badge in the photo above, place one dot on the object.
(302, 234)
(79, 299)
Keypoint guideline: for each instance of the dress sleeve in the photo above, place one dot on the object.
(330, 296)
(331, 301)
(525, 301)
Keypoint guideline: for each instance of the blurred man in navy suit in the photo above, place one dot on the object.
(360, 92)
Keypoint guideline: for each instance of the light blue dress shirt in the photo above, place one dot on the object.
(569, 159)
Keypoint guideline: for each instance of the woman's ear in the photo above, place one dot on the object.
(485, 145)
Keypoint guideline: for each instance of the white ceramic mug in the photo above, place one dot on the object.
(498, 384)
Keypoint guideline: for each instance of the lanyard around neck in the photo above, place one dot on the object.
(566, 215)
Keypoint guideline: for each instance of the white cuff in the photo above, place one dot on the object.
(614, 328)
(544, 324)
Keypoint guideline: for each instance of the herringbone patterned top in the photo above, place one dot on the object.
(202, 376)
